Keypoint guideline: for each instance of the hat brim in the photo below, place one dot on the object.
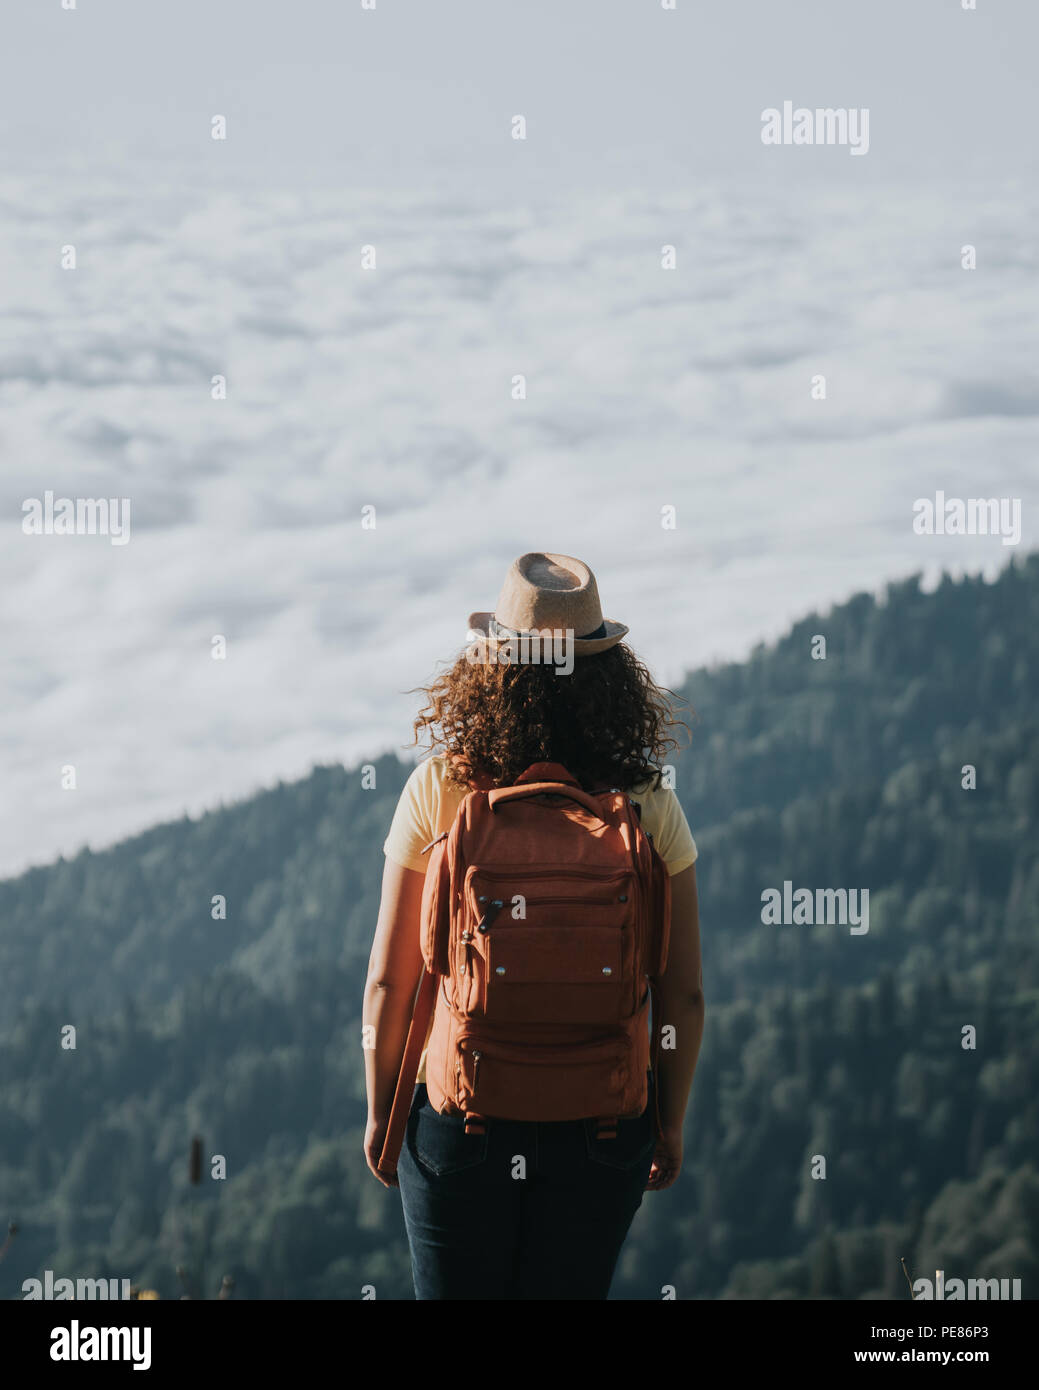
(479, 624)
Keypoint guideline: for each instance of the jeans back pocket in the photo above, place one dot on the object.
(439, 1142)
(633, 1143)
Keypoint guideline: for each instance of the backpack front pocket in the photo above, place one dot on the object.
(539, 1081)
(561, 975)
(550, 945)
(550, 897)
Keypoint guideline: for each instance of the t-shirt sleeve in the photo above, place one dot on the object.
(673, 838)
(414, 820)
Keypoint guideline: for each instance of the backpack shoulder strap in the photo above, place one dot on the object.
(657, 1024)
(401, 1108)
(422, 1013)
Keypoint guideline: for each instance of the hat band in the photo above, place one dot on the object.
(510, 634)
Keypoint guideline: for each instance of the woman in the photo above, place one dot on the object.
(479, 1224)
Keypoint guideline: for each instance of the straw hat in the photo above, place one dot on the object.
(554, 592)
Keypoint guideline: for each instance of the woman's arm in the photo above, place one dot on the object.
(394, 969)
(680, 992)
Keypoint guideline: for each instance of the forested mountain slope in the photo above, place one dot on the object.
(836, 773)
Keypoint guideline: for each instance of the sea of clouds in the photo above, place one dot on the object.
(391, 388)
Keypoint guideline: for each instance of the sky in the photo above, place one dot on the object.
(393, 387)
(416, 91)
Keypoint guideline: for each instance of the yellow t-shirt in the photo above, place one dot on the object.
(428, 804)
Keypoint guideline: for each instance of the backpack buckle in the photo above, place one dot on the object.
(489, 914)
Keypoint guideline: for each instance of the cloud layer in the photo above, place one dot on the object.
(392, 388)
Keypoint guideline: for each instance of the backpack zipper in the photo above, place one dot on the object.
(521, 875)
(584, 902)
(548, 871)
(543, 1054)
(467, 942)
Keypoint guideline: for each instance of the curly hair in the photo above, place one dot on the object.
(607, 721)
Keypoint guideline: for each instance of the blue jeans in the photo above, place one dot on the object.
(483, 1224)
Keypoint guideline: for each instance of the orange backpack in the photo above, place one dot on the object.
(546, 914)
